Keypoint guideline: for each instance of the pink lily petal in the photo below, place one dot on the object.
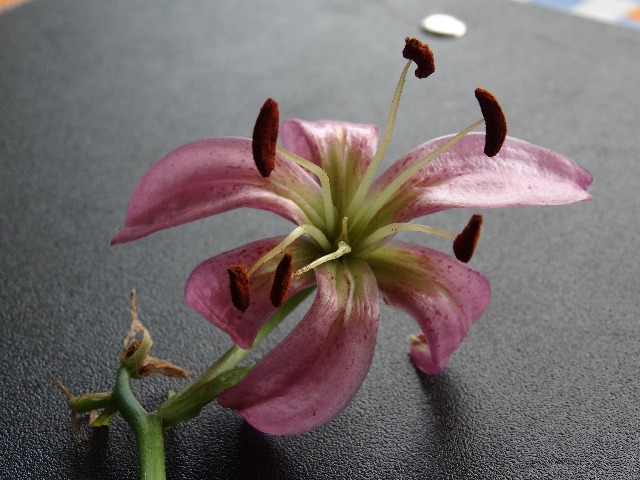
(443, 295)
(343, 150)
(311, 376)
(211, 176)
(207, 289)
(521, 174)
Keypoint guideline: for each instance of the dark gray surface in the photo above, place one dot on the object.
(93, 92)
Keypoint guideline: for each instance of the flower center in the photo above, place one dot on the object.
(357, 234)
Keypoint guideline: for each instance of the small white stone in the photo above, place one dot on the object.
(443, 24)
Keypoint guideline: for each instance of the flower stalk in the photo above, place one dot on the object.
(148, 427)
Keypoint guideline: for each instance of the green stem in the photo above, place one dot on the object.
(146, 427)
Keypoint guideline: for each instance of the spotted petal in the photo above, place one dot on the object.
(521, 174)
(443, 295)
(207, 289)
(311, 376)
(211, 176)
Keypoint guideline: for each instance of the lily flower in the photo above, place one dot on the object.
(324, 181)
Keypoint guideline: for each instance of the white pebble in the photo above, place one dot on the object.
(443, 24)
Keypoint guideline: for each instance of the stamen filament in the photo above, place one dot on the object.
(312, 231)
(345, 232)
(366, 215)
(343, 249)
(324, 183)
(363, 188)
(372, 241)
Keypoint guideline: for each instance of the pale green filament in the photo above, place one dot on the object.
(358, 198)
(373, 241)
(343, 249)
(345, 234)
(367, 214)
(312, 231)
(324, 183)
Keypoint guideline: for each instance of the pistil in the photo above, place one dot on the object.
(343, 249)
(414, 51)
(345, 232)
(367, 179)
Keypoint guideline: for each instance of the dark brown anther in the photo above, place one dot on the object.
(281, 281)
(495, 121)
(421, 54)
(265, 137)
(465, 244)
(239, 286)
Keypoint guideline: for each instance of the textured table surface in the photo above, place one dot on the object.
(92, 93)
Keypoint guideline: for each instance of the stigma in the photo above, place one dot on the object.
(421, 55)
